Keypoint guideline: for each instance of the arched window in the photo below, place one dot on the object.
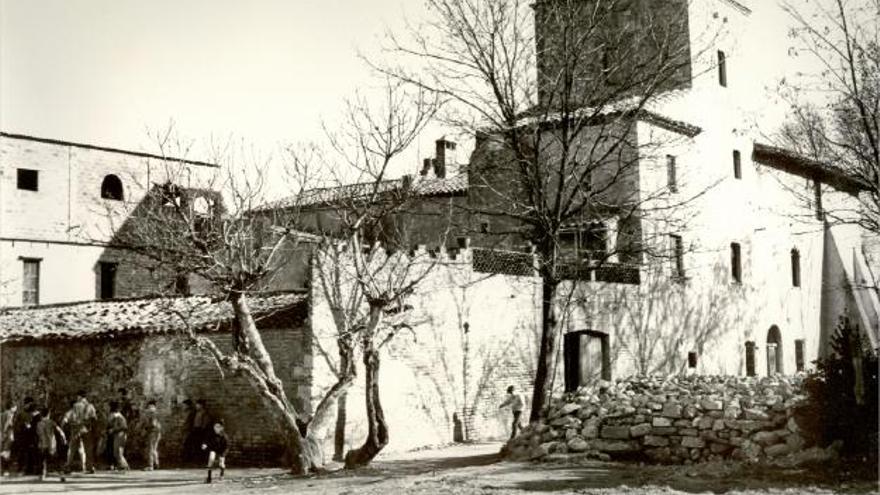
(111, 188)
(795, 268)
(774, 351)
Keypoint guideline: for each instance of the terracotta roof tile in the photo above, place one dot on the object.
(146, 315)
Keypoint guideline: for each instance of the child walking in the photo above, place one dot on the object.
(216, 443)
(153, 430)
(47, 443)
(118, 430)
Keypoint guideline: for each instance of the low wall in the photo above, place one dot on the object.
(679, 419)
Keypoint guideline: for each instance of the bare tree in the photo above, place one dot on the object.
(204, 228)
(555, 115)
(222, 230)
(839, 129)
(365, 276)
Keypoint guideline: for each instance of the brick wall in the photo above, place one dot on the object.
(161, 368)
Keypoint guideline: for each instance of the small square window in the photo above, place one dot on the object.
(28, 180)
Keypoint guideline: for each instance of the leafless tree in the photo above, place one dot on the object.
(555, 116)
(365, 275)
(834, 116)
(220, 229)
(203, 227)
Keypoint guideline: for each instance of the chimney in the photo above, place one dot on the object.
(445, 159)
(427, 164)
(406, 183)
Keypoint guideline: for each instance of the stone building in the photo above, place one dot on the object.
(61, 204)
(50, 352)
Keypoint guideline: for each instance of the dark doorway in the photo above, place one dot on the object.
(586, 357)
(107, 279)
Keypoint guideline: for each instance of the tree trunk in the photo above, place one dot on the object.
(320, 423)
(339, 434)
(547, 350)
(377, 429)
(258, 368)
(346, 362)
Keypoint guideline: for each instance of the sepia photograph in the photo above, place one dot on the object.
(426, 247)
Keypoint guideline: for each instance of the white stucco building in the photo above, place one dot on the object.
(60, 205)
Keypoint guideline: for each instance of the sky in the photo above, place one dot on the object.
(106, 72)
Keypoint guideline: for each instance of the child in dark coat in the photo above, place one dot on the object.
(216, 443)
(49, 439)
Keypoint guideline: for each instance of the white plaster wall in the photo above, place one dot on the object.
(437, 369)
(66, 222)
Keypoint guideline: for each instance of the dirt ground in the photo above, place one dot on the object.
(472, 470)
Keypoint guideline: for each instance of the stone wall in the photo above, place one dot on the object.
(680, 419)
(162, 368)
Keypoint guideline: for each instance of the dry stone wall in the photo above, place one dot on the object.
(680, 419)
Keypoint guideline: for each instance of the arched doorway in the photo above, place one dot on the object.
(774, 351)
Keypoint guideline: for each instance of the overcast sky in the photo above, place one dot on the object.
(103, 71)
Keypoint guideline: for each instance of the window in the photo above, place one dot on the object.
(111, 188)
(736, 262)
(795, 268)
(28, 180)
(678, 256)
(774, 351)
(484, 227)
(722, 69)
(671, 174)
(817, 199)
(799, 354)
(750, 358)
(107, 279)
(587, 358)
(737, 165)
(30, 290)
(692, 360)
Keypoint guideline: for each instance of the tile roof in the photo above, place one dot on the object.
(118, 317)
(422, 187)
(503, 262)
(792, 162)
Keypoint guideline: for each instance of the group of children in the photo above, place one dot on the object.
(31, 439)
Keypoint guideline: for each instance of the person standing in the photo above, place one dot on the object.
(216, 443)
(19, 450)
(517, 404)
(80, 419)
(7, 436)
(118, 431)
(47, 442)
(152, 432)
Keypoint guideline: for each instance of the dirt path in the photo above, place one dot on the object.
(468, 470)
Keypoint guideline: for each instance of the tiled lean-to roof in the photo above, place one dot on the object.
(421, 187)
(123, 317)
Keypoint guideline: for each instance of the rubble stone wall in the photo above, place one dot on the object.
(160, 368)
(679, 419)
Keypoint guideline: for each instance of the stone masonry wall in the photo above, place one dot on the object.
(163, 369)
(680, 419)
